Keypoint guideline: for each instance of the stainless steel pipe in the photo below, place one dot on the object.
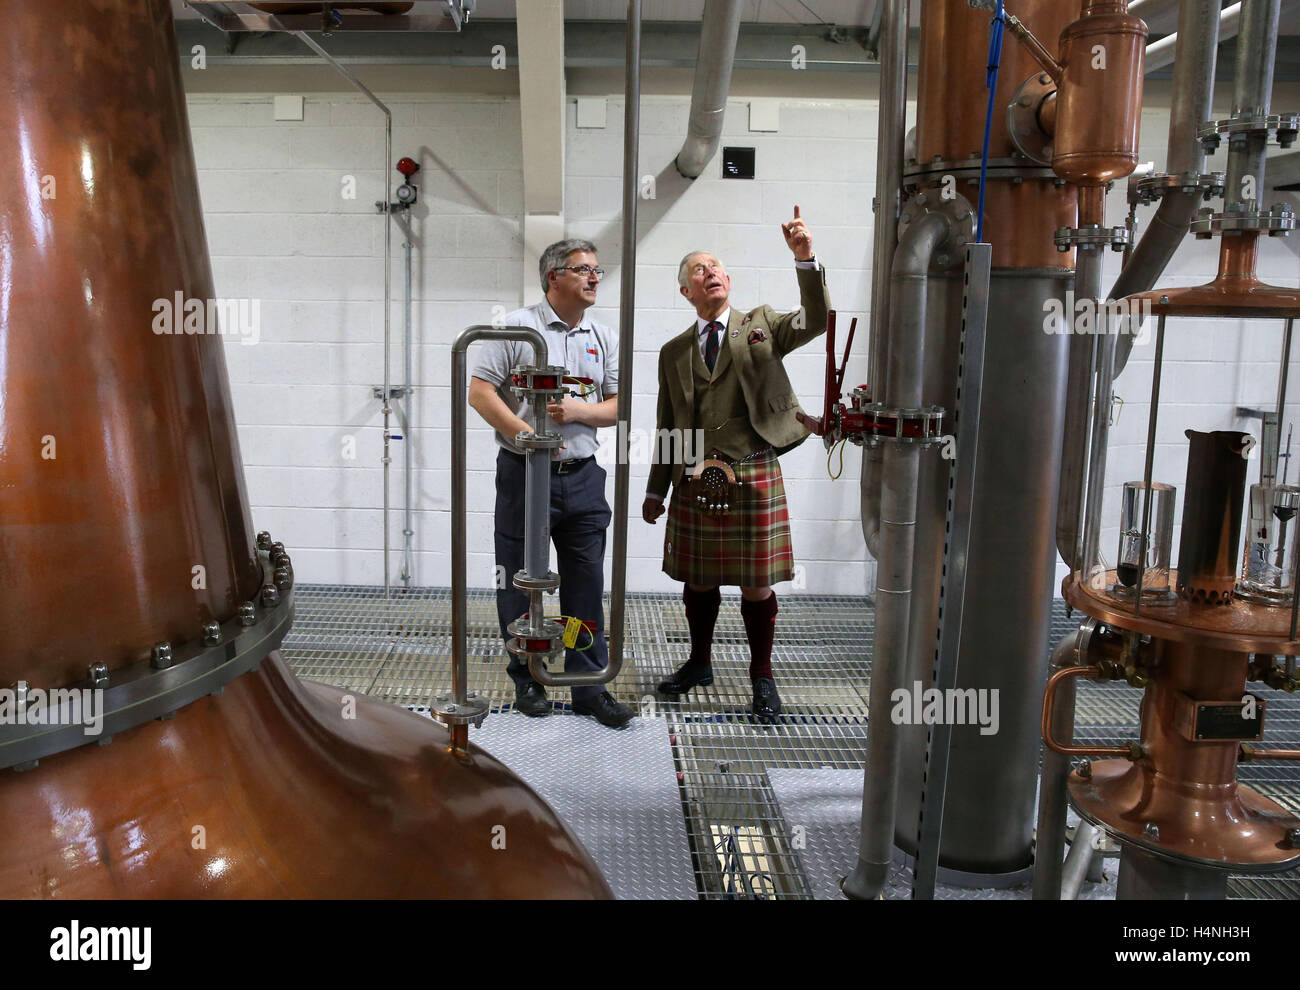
(459, 421)
(898, 506)
(1197, 50)
(890, 134)
(1165, 51)
(1049, 844)
(1252, 94)
(1077, 863)
(1075, 458)
(719, 30)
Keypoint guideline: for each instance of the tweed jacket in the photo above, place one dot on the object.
(753, 345)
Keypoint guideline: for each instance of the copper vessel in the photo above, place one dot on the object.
(1212, 508)
(124, 525)
(1099, 104)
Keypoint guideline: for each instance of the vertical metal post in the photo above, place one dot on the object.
(626, 330)
(1150, 460)
(961, 492)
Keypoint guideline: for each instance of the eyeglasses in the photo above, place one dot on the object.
(706, 269)
(586, 271)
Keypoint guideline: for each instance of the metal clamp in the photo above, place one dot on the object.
(525, 583)
(1276, 222)
(1283, 126)
(533, 383)
(880, 423)
(140, 692)
(1152, 187)
(1092, 237)
(536, 640)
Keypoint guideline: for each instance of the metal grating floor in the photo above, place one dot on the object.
(399, 650)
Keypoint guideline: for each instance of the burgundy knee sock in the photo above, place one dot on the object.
(760, 627)
(701, 614)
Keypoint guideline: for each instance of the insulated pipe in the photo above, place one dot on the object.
(891, 128)
(719, 31)
(1253, 90)
(306, 39)
(1193, 96)
(898, 505)
(1049, 843)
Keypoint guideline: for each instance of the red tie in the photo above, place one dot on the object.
(711, 345)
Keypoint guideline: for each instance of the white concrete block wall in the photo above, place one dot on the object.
(279, 230)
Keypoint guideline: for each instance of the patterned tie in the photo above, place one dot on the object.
(712, 344)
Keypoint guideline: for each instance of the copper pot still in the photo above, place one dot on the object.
(119, 476)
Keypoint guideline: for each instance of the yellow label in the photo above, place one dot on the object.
(571, 630)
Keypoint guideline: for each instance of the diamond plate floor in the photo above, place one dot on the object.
(741, 846)
(618, 791)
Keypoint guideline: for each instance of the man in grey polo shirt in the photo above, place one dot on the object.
(579, 513)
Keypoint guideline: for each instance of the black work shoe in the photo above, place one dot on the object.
(604, 709)
(767, 703)
(530, 698)
(687, 676)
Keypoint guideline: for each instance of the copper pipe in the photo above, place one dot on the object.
(1249, 754)
(1045, 59)
(1049, 710)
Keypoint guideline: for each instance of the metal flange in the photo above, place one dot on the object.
(1154, 186)
(530, 382)
(524, 582)
(140, 692)
(1023, 125)
(1276, 222)
(1092, 237)
(876, 423)
(1282, 126)
(968, 169)
(539, 441)
(472, 711)
(951, 255)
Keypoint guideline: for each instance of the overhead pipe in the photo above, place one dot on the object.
(1252, 94)
(719, 31)
(898, 508)
(1196, 56)
(891, 129)
(1164, 52)
(307, 40)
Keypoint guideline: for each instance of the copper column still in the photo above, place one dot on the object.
(128, 560)
(1172, 799)
(1060, 131)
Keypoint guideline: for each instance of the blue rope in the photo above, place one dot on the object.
(991, 82)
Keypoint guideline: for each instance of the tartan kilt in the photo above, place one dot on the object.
(749, 547)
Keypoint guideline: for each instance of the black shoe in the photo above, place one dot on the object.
(687, 676)
(530, 698)
(604, 709)
(767, 703)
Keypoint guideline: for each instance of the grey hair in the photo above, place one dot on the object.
(555, 257)
(683, 276)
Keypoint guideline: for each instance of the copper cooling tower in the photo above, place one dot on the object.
(128, 562)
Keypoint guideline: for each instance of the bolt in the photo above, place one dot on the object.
(943, 259)
(161, 656)
(1151, 831)
(99, 673)
(270, 597)
(1293, 837)
(283, 578)
(1164, 300)
(211, 633)
(264, 540)
(277, 548)
(247, 614)
(921, 199)
(1044, 79)
(1085, 770)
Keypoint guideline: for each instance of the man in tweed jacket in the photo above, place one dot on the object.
(723, 379)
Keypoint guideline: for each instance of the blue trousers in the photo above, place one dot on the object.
(579, 518)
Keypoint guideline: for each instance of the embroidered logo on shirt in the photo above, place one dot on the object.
(592, 354)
